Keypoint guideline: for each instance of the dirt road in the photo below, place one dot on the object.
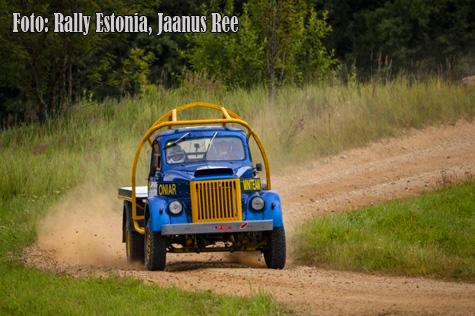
(397, 168)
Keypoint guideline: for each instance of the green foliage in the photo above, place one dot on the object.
(432, 235)
(415, 36)
(277, 42)
(135, 70)
(316, 63)
(48, 70)
(237, 58)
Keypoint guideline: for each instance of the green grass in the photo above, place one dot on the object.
(94, 145)
(30, 292)
(432, 235)
(306, 123)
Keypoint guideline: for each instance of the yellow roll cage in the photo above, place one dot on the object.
(169, 120)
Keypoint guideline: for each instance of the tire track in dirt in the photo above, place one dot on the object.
(418, 162)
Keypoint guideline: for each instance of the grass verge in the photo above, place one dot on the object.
(432, 235)
(30, 292)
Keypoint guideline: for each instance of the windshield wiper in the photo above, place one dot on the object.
(210, 142)
(177, 141)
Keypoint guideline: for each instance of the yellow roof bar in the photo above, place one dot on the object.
(170, 120)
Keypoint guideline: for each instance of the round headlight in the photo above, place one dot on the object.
(175, 207)
(257, 203)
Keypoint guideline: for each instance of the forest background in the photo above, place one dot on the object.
(279, 43)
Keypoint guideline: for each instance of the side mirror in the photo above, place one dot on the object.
(258, 166)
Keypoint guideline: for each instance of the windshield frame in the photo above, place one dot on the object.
(200, 136)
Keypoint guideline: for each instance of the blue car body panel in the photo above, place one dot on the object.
(272, 209)
(181, 174)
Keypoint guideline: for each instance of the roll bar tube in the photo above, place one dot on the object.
(170, 119)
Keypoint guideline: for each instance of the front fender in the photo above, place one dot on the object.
(159, 214)
(272, 209)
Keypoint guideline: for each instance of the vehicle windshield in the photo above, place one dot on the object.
(204, 149)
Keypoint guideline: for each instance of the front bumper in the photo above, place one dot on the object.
(217, 227)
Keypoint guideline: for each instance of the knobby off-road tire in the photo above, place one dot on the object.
(134, 242)
(155, 249)
(275, 254)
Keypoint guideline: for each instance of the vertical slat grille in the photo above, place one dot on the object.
(216, 201)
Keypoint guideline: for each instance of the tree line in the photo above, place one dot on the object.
(279, 42)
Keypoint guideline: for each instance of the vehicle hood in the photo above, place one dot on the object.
(206, 171)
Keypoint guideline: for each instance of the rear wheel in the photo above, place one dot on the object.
(155, 249)
(134, 242)
(275, 254)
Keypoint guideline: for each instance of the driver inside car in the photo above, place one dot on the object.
(175, 154)
(221, 149)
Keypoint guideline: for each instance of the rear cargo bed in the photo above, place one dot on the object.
(125, 193)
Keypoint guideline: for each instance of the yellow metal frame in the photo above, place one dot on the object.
(170, 120)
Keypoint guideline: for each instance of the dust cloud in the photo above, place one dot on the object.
(85, 228)
(251, 259)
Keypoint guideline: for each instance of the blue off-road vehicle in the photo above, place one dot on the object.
(204, 194)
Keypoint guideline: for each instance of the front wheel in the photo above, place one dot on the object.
(275, 254)
(155, 249)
